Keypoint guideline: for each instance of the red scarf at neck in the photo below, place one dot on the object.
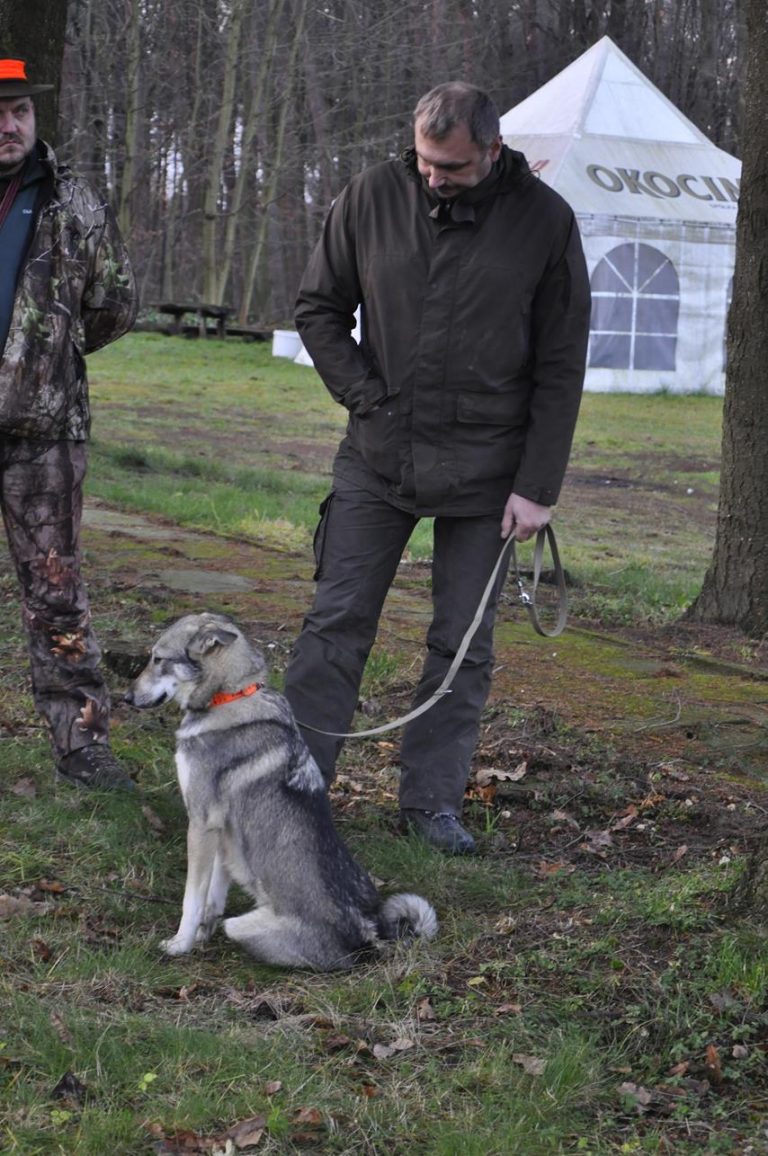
(9, 196)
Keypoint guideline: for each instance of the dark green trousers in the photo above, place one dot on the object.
(42, 500)
(358, 547)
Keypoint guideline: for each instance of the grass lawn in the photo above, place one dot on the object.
(225, 437)
(594, 988)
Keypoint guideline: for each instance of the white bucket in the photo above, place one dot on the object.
(285, 343)
(303, 358)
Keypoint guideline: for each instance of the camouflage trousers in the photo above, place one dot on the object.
(42, 500)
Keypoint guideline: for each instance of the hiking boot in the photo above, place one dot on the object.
(95, 767)
(441, 829)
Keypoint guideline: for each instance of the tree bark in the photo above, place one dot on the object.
(257, 100)
(748, 898)
(222, 138)
(133, 112)
(33, 31)
(205, 163)
(276, 160)
(735, 590)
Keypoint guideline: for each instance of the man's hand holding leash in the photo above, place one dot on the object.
(523, 516)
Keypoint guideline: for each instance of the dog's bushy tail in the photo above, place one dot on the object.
(406, 917)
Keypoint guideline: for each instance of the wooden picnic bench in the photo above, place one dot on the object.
(203, 313)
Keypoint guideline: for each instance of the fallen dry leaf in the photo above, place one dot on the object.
(155, 822)
(25, 788)
(71, 1089)
(639, 1095)
(272, 1087)
(11, 905)
(598, 842)
(653, 800)
(563, 817)
(308, 1116)
(41, 949)
(485, 776)
(508, 1009)
(333, 1043)
(626, 819)
(544, 870)
(248, 1133)
(723, 1001)
(425, 1010)
(61, 1029)
(486, 795)
(184, 1141)
(178, 1142)
(384, 1051)
(714, 1066)
(51, 885)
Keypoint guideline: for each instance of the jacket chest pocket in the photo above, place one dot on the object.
(493, 409)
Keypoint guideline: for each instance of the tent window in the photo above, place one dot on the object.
(635, 305)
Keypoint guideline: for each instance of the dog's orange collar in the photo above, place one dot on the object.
(220, 698)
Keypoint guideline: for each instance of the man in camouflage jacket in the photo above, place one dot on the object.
(66, 289)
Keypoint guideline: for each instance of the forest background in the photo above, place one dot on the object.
(221, 130)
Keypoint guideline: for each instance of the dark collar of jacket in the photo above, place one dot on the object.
(39, 165)
(509, 172)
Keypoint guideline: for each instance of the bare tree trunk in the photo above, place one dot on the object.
(129, 182)
(222, 138)
(316, 96)
(276, 156)
(162, 119)
(735, 587)
(749, 896)
(257, 101)
(198, 81)
(33, 31)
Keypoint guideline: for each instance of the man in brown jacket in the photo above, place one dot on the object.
(462, 397)
(66, 289)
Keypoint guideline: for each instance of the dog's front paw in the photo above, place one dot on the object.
(206, 929)
(175, 946)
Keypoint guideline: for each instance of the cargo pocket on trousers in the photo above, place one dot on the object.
(318, 542)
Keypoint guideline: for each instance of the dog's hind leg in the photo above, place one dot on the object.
(215, 901)
(278, 939)
(202, 848)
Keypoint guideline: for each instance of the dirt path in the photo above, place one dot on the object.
(677, 696)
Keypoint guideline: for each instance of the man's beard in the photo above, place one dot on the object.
(9, 166)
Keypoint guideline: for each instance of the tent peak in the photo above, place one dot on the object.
(601, 93)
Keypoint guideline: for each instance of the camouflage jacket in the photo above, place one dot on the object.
(75, 293)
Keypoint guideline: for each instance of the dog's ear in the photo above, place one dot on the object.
(209, 638)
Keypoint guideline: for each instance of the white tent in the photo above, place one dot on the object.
(656, 204)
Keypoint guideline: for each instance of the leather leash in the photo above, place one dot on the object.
(528, 599)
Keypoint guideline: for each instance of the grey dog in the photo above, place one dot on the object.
(259, 812)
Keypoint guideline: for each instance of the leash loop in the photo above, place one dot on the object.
(528, 600)
(545, 535)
